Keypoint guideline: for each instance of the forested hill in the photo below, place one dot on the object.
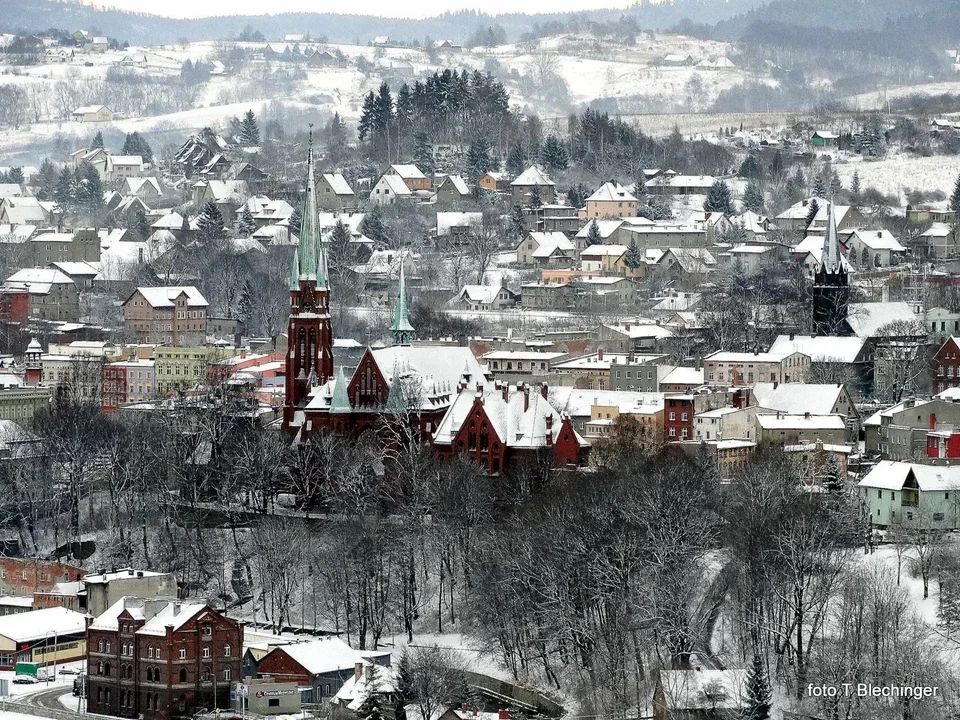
(37, 15)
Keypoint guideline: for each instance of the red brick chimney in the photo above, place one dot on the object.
(599, 354)
(549, 432)
(543, 390)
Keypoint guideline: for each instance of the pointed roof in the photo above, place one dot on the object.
(311, 257)
(402, 329)
(832, 261)
(340, 401)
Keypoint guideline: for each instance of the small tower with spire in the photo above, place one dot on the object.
(33, 363)
(831, 290)
(402, 329)
(309, 360)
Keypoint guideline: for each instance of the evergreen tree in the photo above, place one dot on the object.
(577, 195)
(295, 220)
(955, 200)
(719, 198)
(370, 708)
(249, 130)
(796, 186)
(336, 139)
(593, 235)
(819, 187)
(48, 181)
(855, 190)
(423, 154)
(749, 168)
(97, 140)
(245, 223)
(836, 185)
(554, 154)
(134, 144)
(535, 200)
(634, 257)
(812, 212)
(374, 227)
(367, 112)
(15, 175)
(516, 159)
(210, 227)
(758, 700)
(518, 222)
(478, 158)
(65, 193)
(640, 187)
(90, 187)
(753, 197)
(139, 225)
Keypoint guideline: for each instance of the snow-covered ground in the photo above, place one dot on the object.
(59, 679)
(898, 174)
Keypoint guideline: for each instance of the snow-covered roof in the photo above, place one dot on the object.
(678, 303)
(89, 109)
(532, 176)
(797, 398)
(38, 280)
(459, 184)
(373, 679)
(800, 210)
(15, 601)
(640, 330)
(482, 294)
(163, 297)
(395, 184)
(606, 228)
(448, 220)
(134, 185)
(520, 420)
(683, 376)
(37, 624)
(938, 229)
(578, 403)
(338, 183)
(866, 319)
(593, 361)
(549, 242)
(106, 577)
(891, 475)
(169, 221)
(609, 192)
(408, 172)
(820, 349)
(326, 655)
(601, 250)
(879, 240)
(747, 357)
(132, 160)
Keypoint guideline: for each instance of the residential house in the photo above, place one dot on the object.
(670, 183)
(451, 192)
(849, 359)
(454, 228)
(127, 381)
(411, 177)
(546, 250)
(389, 190)
(611, 201)
(171, 315)
(816, 399)
(940, 240)
(868, 249)
(92, 114)
(334, 192)
(146, 189)
(486, 297)
(945, 366)
(120, 167)
(52, 295)
(682, 380)
(663, 235)
(522, 188)
(913, 496)
(161, 659)
(494, 181)
(26, 576)
(16, 211)
(780, 429)
(683, 268)
(510, 365)
(606, 293)
(738, 368)
(640, 373)
(824, 139)
(602, 258)
(591, 371)
(900, 432)
(318, 667)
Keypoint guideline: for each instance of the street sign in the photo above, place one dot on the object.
(242, 690)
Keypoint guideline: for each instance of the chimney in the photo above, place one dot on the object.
(803, 204)
(806, 416)
(791, 336)
(549, 432)
(357, 671)
(505, 391)
(476, 711)
(600, 355)
(463, 708)
(933, 421)
(543, 390)
(526, 397)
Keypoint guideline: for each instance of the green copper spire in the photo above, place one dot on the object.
(295, 271)
(311, 257)
(402, 329)
(340, 402)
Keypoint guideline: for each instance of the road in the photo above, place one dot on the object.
(45, 698)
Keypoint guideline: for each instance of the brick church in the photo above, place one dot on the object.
(443, 390)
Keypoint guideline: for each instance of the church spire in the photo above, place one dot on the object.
(402, 329)
(311, 261)
(831, 261)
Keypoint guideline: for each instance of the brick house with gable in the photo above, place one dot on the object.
(26, 576)
(500, 426)
(167, 315)
(945, 366)
(160, 659)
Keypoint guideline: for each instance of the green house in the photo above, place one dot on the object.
(913, 495)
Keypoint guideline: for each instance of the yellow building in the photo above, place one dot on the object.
(182, 368)
(42, 636)
(611, 201)
(21, 402)
(648, 415)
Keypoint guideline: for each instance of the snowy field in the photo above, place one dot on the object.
(899, 174)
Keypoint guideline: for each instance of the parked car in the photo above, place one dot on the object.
(25, 680)
(69, 671)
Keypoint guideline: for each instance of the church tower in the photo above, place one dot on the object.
(309, 361)
(831, 291)
(402, 329)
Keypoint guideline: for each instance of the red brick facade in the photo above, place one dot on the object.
(946, 367)
(158, 677)
(678, 412)
(26, 576)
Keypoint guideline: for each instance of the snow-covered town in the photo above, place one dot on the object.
(455, 363)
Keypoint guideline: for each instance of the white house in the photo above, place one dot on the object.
(389, 190)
